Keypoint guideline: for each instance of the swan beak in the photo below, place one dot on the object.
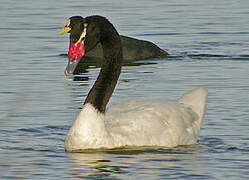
(66, 29)
(75, 53)
(71, 66)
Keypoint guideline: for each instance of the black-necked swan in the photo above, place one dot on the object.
(137, 123)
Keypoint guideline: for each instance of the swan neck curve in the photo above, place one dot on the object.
(104, 86)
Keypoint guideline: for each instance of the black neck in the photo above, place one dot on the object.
(105, 84)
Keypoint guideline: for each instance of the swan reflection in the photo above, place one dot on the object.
(140, 161)
(95, 165)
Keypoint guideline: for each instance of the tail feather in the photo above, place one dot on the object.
(196, 100)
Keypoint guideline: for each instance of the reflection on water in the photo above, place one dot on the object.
(123, 162)
(86, 62)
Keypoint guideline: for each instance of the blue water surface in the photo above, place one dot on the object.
(209, 46)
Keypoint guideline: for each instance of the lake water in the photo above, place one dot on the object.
(209, 43)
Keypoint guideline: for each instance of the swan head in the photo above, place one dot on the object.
(84, 36)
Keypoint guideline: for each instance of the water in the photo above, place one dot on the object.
(208, 41)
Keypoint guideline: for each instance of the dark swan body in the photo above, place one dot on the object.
(136, 123)
(133, 49)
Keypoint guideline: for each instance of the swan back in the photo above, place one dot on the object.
(157, 123)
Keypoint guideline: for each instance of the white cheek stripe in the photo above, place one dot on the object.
(83, 34)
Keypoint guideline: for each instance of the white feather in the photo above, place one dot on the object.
(140, 123)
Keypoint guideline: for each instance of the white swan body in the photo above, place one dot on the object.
(140, 123)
